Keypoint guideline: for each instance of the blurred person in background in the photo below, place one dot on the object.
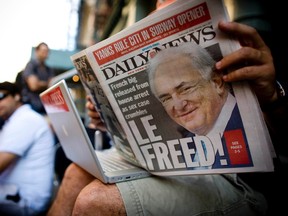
(36, 77)
(26, 156)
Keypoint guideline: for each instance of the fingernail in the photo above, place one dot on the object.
(218, 65)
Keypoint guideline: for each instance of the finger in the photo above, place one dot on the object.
(89, 98)
(243, 57)
(244, 73)
(247, 35)
(90, 106)
(93, 114)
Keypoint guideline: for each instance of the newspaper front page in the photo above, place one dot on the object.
(163, 141)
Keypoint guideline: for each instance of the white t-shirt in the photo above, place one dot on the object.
(27, 134)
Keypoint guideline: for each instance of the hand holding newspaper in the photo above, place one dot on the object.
(165, 106)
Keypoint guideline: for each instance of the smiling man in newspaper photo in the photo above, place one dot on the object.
(194, 95)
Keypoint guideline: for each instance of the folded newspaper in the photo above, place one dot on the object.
(164, 105)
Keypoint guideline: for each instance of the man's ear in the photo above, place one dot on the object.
(219, 84)
(17, 97)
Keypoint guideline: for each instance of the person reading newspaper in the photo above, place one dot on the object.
(26, 156)
(80, 193)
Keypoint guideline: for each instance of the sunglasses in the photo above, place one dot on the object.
(3, 95)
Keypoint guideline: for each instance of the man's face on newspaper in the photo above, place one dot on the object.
(189, 99)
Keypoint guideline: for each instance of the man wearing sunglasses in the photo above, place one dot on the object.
(26, 156)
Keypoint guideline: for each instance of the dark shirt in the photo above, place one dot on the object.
(234, 126)
(44, 73)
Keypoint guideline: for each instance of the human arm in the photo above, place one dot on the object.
(6, 159)
(35, 84)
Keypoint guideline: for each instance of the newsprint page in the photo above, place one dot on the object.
(163, 109)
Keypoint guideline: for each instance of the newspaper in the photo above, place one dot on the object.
(143, 128)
